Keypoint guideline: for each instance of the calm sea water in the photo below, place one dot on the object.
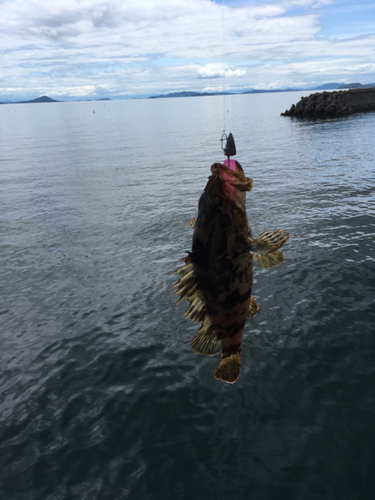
(101, 396)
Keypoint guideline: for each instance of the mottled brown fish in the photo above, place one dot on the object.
(217, 275)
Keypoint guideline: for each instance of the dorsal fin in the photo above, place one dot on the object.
(196, 310)
(207, 340)
(187, 285)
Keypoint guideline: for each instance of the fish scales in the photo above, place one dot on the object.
(217, 276)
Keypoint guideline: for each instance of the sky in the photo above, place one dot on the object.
(90, 49)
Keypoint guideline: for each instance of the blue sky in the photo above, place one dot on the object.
(87, 49)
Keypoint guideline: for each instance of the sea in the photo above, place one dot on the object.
(101, 396)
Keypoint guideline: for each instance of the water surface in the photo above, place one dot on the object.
(101, 396)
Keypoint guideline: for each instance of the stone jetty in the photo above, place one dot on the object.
(333, 104)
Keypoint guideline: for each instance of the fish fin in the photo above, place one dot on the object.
(206, 342)
(268, 242)
(272, 259)
(253, 308)
(196, 310)
(192, 223)
(187, 285)
(229, 367)
(187, 267)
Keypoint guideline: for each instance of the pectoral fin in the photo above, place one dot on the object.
(253, 308)
(272, 259)
(192, 223)
(268, 242)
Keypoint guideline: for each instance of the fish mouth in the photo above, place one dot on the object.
(232, 179)
(230, 184)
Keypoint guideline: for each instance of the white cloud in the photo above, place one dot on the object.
(215, 70)
(235, 72)
(119, 47)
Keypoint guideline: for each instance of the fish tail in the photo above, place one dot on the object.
(229, 367)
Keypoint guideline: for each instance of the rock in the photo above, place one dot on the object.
(333, 104)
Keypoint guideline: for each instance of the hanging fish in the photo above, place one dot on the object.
(217, 274)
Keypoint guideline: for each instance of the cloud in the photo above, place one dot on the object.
(216, 70)
(113, 47)
(235, 72)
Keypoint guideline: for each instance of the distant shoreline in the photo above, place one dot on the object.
(326, 87)
(46, 99)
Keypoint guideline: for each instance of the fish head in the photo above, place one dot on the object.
(225, 192)
(232, 183)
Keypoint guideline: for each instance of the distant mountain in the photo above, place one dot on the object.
(253, 91)
(103, 99)
(356, 86)
(266, 91)
(328, 86)
(176, 94)
(188, 94)
(44, 98)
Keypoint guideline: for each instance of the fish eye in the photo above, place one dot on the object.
(217, 202)
(220, 202)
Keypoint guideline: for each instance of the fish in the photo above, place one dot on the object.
(217, 275)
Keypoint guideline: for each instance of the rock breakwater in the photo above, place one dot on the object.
(333, 104)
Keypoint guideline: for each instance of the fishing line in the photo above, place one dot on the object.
(224, 137)
(229, 147)
(223, 67)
